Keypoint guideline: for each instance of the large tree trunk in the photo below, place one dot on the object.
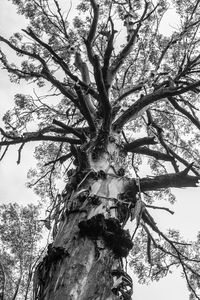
(85, 260)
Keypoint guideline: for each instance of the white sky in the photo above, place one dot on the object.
(13, 176)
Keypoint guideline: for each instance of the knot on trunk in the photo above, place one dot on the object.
(114, 237)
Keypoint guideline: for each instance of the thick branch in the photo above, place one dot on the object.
(92, 31)
(40, 137)
(93, 27)
(139, 142)
(100, 85)
(135, 88)
(156, 154)
(68, 129)
(176, 180)
(83, 68)
(107, 55)
(105, 104)
(84, 109)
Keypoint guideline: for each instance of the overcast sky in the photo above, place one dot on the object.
(13, 176)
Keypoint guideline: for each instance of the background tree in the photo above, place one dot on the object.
(110, 95)
(20, 233)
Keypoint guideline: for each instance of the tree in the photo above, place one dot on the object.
(110, 95)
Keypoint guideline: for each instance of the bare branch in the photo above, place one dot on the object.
(159, 207)
(61, 18)
(4, 152)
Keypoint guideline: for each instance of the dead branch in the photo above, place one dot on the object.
(4, 152)
(19, 153)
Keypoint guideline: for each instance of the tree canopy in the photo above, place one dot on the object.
(101, 73)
